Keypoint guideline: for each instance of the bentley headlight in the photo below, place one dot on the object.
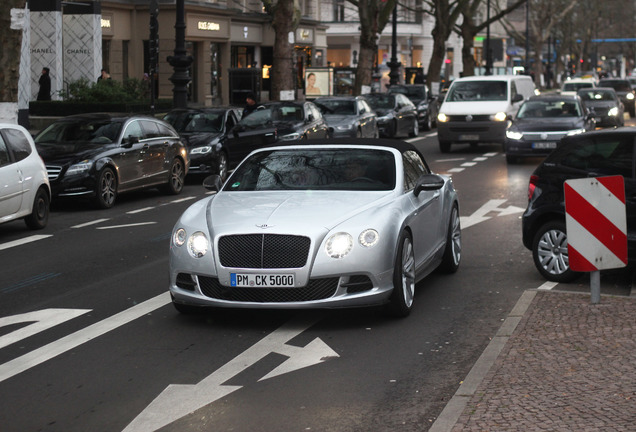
(339, 245)
(369, 238)
(500, 116)
(442, 118)
(576, 131)
(201, 150)
(613, 112)
(513, 135)
(79, 168)
(198, 244)
(179, 237)
(291, 137)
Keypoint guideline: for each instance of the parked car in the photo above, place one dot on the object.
(605, 104)
(573, 85)
(541, 123)
(348, 116)
(397, 115)
(336, 223)
(98, 156)
(594, 154)
(202, 130)
(24, 185)
(624, 91)
(426, 104)
(273, 122)
(477, 108)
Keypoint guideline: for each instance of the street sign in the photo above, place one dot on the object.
(596, 223)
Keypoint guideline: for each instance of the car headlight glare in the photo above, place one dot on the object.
(630, 96)
(576, 131)
(201, 150)
(500, 116)
(513, 135)
(290, 137)
(613, 112)
(198, 244)
(443, 118)
(339, 245)
(369, 238)
(79, 167)
(179, 237)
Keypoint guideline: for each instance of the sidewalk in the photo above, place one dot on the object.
(558, 363)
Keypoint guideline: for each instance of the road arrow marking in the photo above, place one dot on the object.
(490, 206)
(177, 401)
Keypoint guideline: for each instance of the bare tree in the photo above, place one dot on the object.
(285, 19)
(9, 51)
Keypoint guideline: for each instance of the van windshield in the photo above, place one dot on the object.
(477, 91)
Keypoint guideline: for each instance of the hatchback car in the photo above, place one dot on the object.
(273, 122)
(348, 116)
(573, 85)
(333, 224)
(98, 156)
(397, 115)
(607, 108)
(24, 184)
(427, 104)
(203, 130)
(600, 153)
(624, 91)
(541, 123)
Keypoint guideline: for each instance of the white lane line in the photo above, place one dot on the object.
(548, 286)
(95, 222)
(479, 159)
(60, 346)
(469, 164)
(25, 240)
(140, 210)
(452, 170)
(491, 154)
(126, 226)
(183, 199)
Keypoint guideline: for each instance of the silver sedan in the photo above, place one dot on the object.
(320, 225)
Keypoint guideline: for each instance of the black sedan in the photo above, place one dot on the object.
(427, 104)
(542, 121)
(604, 103)
(624, 91)
(348, 116)
(397, 115)
(273, 122)
(97, 156)
(203, 130)
(604, 152)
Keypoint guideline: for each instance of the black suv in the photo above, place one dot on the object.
(592, 154)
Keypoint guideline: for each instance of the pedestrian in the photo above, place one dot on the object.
(104, 76)
(250, 104)
(44, 94)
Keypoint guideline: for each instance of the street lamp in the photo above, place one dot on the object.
(488, 52)
(180, 61)
(394, 64)
(527, 68)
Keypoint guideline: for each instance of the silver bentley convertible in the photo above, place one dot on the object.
(333, 223)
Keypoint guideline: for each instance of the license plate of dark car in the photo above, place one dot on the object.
(261, 280)
(544, 145)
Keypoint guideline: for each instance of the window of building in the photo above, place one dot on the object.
(242, 57)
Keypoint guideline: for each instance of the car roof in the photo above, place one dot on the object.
(555, 97)
(107, 116)
(619, 131)
(401, 146)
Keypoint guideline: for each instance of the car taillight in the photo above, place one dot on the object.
(532, 186)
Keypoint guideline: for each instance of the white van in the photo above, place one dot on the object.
(477, 108)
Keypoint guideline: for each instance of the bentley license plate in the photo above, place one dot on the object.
(261, 280)
(544, 145)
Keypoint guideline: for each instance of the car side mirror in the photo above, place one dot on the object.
(517, 98)
(213, 183)
(310, 117)
(428, 182)
(130, 140)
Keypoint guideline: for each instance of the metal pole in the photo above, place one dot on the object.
(488, 55)
(527, 68)
(595, 286)
(394, 65)
(180, 61)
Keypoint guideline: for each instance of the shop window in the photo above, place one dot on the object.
(242, 57)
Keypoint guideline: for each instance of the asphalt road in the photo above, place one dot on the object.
(89, 341)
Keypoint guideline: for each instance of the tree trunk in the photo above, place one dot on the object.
(10, 49)
(284, 21)
(468, 35)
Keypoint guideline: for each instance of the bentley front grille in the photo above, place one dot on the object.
(317, 289)
(264, 251)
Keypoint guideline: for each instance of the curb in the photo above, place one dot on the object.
(455, 407)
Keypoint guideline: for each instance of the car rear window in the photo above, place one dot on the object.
(599, 155)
